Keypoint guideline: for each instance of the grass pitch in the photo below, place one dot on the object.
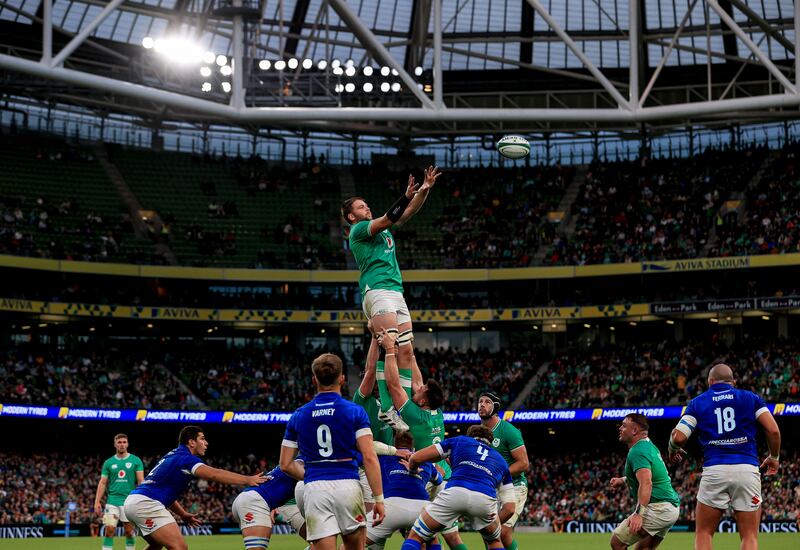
(527, 541)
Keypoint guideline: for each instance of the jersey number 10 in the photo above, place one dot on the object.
(726, 420)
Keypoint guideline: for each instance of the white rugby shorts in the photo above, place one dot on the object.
(401, 513)
(520, 498)
(454, 502)
(113, 514)
(250, 509)
(292, 514)
(333, 507)
(657, 519)
(380, 301)
(147, 514)
(738, 485)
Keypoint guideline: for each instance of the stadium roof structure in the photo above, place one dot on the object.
(410, 67)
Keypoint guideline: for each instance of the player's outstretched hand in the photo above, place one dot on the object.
(412, 188)
(617, 482)
(378, 514)
(191, 520)
(98, 509)
(387, 340)
(257, 479)
(771, 465)
(432, 173)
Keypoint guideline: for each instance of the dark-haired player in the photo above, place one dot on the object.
(120, 474)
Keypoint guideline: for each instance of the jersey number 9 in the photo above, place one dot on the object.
(325, 441)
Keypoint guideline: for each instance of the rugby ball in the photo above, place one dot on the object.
(514, 147)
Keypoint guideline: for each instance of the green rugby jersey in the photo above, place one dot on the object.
(427, 428)
(376, 258)
(644, 454)
(508, 438)
(121, 474)
(380, 430)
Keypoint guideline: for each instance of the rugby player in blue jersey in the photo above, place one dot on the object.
(479, 478)
(726, 419)
(253, 508)
(405, 492)
(149, 504)
(330, 432)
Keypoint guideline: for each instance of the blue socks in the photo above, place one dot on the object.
(411, 545)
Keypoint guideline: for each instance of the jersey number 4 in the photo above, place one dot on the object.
(726, 419)
(484, 452)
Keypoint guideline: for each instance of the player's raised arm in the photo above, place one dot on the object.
(396, 211)
(205, 471)
(368, 382)
(431, 175)
(388, 340)
(428, 454)
(773, 433)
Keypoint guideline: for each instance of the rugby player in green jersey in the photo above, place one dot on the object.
(647, 479)
(120, 474)
(422, 413)
(373, 245)
(508, 442)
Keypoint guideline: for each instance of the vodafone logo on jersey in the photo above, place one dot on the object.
(388, 238)
(121, 474)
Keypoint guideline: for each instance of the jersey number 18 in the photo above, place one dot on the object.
(726, 420)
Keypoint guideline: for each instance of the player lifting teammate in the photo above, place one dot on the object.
(381, 284)
(149, 505)
(330, 432)
(726, 419)
(507, 440)
(120, 474)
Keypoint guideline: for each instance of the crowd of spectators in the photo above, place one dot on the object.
(34, 488)
(665, 373)
(653, 209)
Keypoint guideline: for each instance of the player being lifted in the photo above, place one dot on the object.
(480, 478)
(329, 432)
(507, 440)
(381, 284)
(120, 475)
(422, 414)
(657, 503)
(726, 419)
(149, 505)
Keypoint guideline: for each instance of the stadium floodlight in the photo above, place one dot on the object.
(394, 72)
(280, 65)
(205, 72)
(209, 58)
(148, 42)
(222, 60)
(385, 87)
(206, 87)
(368, 71)
(338, 71)
(308, 63)
(418, 71)
(226, 70)
(368, 87)
(385, 71)
(336, 63)
(339, 88)
(160, 45)
(349, 63)
(395, 86)
(226, 87)
(420, 86)
(178, 50)
(264, 64)
(293, 63)
(350, 71)
(349, 87)
(322, 65)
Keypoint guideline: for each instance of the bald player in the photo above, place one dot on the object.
(725, 419)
